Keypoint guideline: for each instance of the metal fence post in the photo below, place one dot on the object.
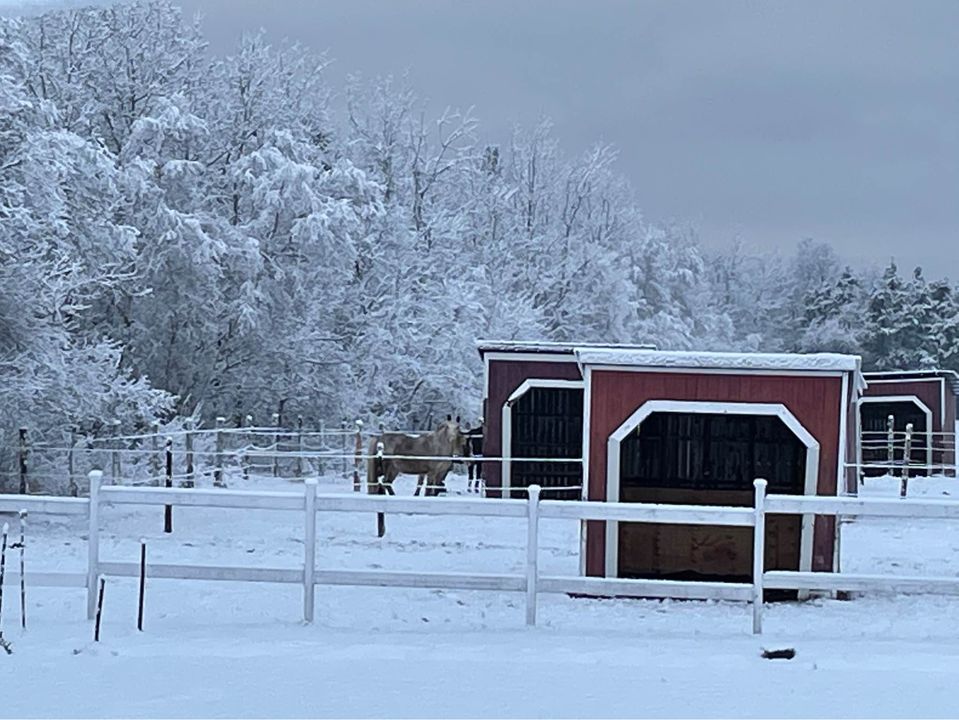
(72, 480)
(309, 549)
(168, 509)
(22, 458)
(759, 554)
(358, 451)
(344, 443)
(299, 446)
(155, 455)
(93, 542)
(906, 459)
(218, 480)
(890, 442)
(532, 552)
(249, 439)
(115, 466)
(276, 445)
(188, 440)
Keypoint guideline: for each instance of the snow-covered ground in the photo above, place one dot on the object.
(239, 649)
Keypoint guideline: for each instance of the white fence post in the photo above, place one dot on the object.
(532, 552)
(759, 554)
(93, 542)
(309, 549)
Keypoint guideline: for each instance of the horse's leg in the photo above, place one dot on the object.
(419, 484)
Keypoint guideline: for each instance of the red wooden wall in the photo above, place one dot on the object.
(814, 400)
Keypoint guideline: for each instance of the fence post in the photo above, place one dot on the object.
(276, 445)
(532, 552)
(72, 481)
(299, 446)
(218, 480)
(309, 549)
(115, 466)
(155, 455)
(93, 542)
(906, 459)
(890, 443)
(22, 456)
(168, 509)
(345, 447)
(188, 439)
(759, 554)
(358, 451)
(249, 437)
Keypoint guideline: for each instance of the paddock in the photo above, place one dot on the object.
(924, 399)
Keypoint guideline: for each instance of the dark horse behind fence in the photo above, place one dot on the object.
(446, 441)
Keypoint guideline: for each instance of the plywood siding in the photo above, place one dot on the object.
(616, 394)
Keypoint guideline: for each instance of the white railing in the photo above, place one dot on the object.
(533, 509)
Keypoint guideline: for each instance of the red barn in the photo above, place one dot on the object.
(924, 398)
(533, 407)
(697, 428)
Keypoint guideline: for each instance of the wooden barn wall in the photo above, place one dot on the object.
(616, 394)
(929, 391)
(504, 377)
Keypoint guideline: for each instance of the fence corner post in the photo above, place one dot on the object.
(93, 541)
(532, 552)
(759, 553)
(309, 549)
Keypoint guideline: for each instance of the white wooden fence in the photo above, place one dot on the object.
(531, 582)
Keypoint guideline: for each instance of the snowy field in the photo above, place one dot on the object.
(240, 650)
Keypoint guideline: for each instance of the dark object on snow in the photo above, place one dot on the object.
(784, 654)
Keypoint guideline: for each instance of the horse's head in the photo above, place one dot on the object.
(453, 433)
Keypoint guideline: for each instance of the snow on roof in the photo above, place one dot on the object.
(951, 376)
(543, 346)
(818, 362)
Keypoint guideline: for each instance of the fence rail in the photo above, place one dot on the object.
(532, 510)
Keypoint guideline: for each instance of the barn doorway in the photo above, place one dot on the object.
(711, 458)
(546, 422)
(873, 416)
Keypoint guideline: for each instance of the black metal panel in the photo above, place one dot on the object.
(873, 419)
(712, 452)
(548, 423)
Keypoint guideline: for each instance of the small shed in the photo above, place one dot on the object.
(926, 399)
(697, 428)
(533, 408)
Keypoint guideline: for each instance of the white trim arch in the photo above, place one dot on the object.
(923, 408)
(506, 418)
(613, 446)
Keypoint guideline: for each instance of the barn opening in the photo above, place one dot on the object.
(875, 446)
(708, 459)
(547, 422)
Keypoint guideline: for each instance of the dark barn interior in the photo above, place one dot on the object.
(707, 459)
(548, 423)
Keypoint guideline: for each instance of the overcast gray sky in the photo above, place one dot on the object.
(767, 121)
